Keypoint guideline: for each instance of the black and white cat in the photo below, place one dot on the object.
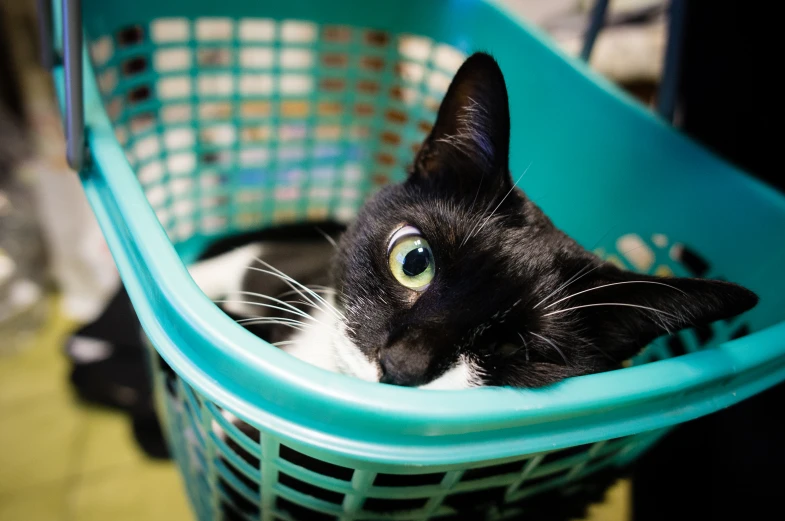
(454, 278)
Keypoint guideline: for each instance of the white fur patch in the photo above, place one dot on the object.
(463, 375)
(222, 276)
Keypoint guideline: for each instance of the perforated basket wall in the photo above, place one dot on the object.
(238, 124)
(235, 123)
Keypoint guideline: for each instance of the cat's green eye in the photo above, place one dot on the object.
(411, 259)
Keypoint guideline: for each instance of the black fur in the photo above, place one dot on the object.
(500, 264)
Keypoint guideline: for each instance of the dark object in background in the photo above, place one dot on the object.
(726, 465)
(109, 369)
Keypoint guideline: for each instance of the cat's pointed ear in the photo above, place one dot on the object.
(471, 137)
(624, 311)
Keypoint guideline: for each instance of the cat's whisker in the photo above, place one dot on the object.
(289, 308)
(655, 310)
(284, 343)
(294, 324)
(575, 278)
(263, 305)
(297, 287)
(514, 186)
(329, 307)
(614, 284)
(326, 236)
(564, 285)
(552, 344)
(525, 345)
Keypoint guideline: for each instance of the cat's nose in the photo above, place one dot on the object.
(402, 367)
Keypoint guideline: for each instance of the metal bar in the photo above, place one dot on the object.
(45, 34)
(671, 73)
(596, 21)
(72, 65)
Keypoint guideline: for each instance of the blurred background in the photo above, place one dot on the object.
(78, 437)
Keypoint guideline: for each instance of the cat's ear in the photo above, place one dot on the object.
(624, 311)
(471, 137)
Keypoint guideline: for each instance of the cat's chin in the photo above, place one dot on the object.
(327, 345)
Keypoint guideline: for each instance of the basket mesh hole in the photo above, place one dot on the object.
(339, 60)
(390, 138)
(368, 86)
(329, 108)
(385, 159)
(298, 31)
(332, 84)
(216, 85)
(256, 84)
(741, 331)
(257, 30)
(424, 126)
(560, 455)
(677, 346)
(393, 505)
(147, 147)
(377, 38)
(310, 490)
(139, 94)
(255, 133)
(300, 513)
(134, 66)
(514, 467)
(214, 57)
(691, 260)
(130, 36)
(176, 113)
(705, 334)
(295, 109)
(296, 58)
(408, 480)
(296, 84)
(181, 163)
(237, 501)
(217, 135)
(255, 109)
(167, 60)
(229, 513)
(540, 480)
(372, 63)
(396, 116)
(179, 138)
(415, 47)
(256, 58)
(242, 478)
(170, 30)
(337, 34)
(315, 465)
(174, 87)
(213, 29)
(363, 109)
(101, 50)
(476, 499)
(448, 58)
(151, 172)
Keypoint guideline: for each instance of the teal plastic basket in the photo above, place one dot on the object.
(206, 119)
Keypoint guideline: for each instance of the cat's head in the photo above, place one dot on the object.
(454, 278)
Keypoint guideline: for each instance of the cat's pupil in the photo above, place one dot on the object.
(416, 261)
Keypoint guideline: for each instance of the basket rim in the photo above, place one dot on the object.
(337, 414)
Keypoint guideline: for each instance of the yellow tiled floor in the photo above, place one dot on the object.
(62, 461)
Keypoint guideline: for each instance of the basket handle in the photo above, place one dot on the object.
(76, 151)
